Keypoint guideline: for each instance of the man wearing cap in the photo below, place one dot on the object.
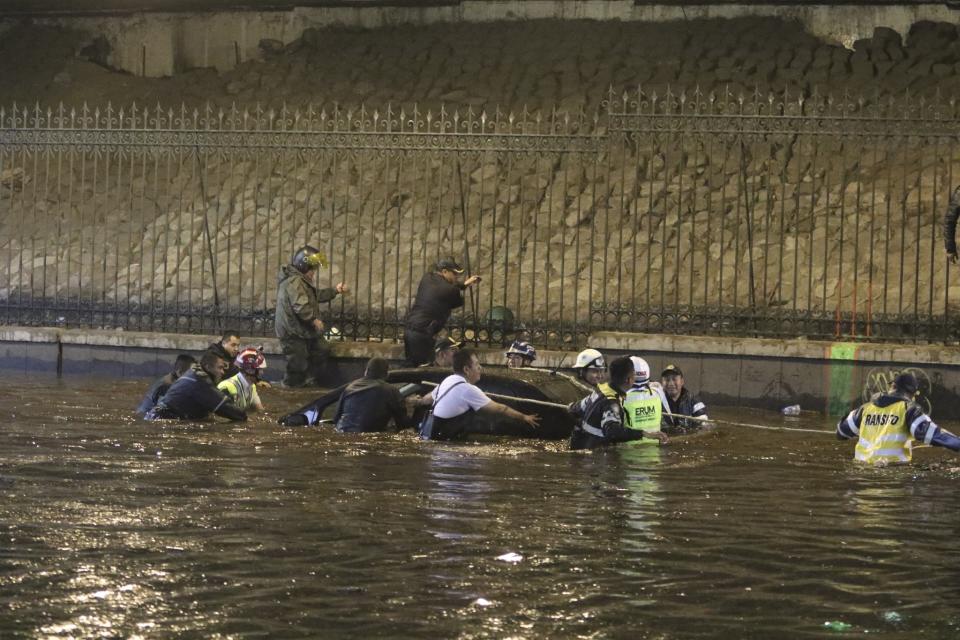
(443, 352)
(887, 425)
(439, 293)
(681, 401)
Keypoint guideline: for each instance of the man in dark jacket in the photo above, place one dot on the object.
(194, 396)
(227, 348)
(298, 323)
(366, 404)
(438, 295)
(601, 419)
(682, 403)
(158, 388)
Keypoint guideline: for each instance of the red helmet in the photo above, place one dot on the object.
(251, 360)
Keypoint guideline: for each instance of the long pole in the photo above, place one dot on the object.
(557, 405)
(206, 231)
(466, 251)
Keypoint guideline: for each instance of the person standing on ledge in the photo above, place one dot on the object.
(439, 293)
(887, 425)
(298, 323)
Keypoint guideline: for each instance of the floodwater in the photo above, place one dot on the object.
(113, 528)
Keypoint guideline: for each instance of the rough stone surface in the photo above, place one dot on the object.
(553, 236)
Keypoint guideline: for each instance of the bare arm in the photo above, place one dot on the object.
(495, 407)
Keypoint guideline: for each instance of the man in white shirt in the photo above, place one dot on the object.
(457, 399)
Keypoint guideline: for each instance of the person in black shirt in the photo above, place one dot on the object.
(158, 388)
(438, 295)
(227, 348)
(194, 396)
(366, 404)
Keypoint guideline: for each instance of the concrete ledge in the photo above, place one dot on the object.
(823, 376)
(760, 347)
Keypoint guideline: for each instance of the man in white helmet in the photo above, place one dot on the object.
(590, 367)
(645, 404)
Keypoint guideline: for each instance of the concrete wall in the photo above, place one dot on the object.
(820, 376)
(161, 44)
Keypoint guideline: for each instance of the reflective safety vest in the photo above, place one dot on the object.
(644, 410)
(604, 391)
(240, 391)
(884, 434)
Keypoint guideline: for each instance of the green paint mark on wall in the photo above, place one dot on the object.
(841, 392)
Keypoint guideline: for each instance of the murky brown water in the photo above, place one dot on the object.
(111, 527)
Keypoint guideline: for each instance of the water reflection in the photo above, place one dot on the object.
(111, 528)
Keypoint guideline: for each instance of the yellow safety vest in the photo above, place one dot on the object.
(644, 411)
(243, 394)
(884, 434)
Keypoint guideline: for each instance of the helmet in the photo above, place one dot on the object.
(522, 348)
(589, 359)
(250, 361)
(307, 258)
(641, 368)
(500, 318)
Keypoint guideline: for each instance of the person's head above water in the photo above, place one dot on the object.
(214, 365)
(466, 363)
(905, 385)
(182, 364)
(641, 369)
(672, 380)
(443, 350)
(622, 374)
(520, 354)
(377, 369)
(590, 366)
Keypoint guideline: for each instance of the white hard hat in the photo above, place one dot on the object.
(589, 359)
(641, 368)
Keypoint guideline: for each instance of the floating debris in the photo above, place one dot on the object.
(510, 557)
(837, 625)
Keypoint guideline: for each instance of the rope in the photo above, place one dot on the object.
(557, 405)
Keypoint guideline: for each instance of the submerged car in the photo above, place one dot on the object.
(516, 388)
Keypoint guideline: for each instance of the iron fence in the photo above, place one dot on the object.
(689, 213)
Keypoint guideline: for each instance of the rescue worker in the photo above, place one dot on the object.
(298, 323)
(520, 354)
(600, 416)
(242, 388)
(227, 348)
(590, 367)
(194, 396)
(887, 425)
(645, 403)
(158, 388)
(438, 294)
(443, 352)
(681, 401)
(370, 403)
(457, 399)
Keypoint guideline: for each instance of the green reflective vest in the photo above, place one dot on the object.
(644, 411)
